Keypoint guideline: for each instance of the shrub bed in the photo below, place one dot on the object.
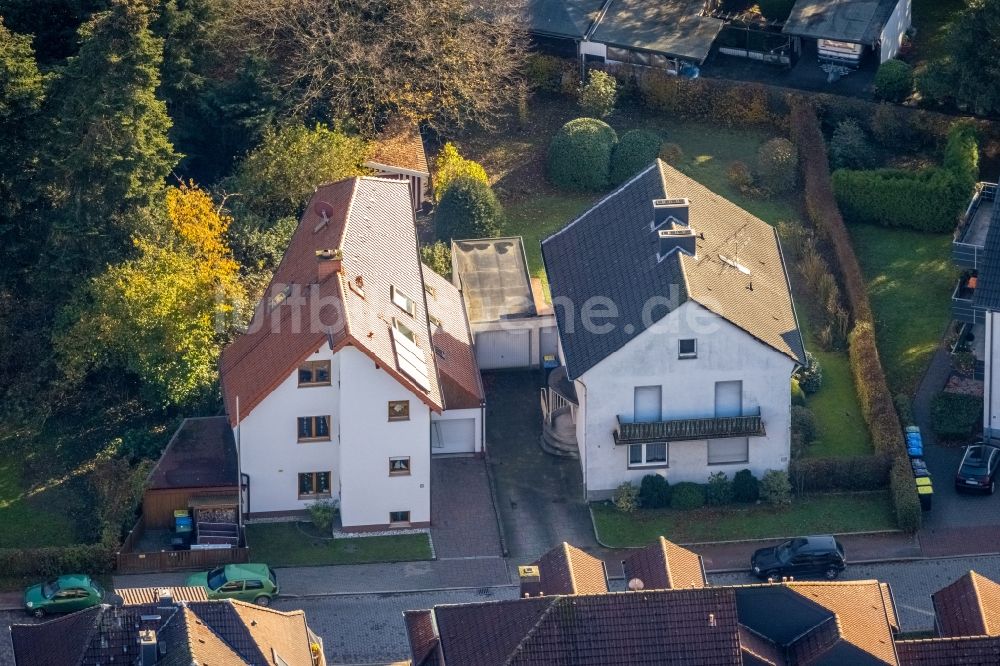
(812, 475)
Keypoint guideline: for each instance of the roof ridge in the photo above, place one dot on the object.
(666, 561)
(268, 609)
(534, 629)
(974, 578)
(569, 564)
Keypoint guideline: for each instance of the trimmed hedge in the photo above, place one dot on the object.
(687, 495)
(42, 562)
(580, 155)
(955, 415)
(904, 495)
(961, 153)
(636, 150)
(928, 200)
(814, 475)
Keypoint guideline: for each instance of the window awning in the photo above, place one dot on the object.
(679, 430)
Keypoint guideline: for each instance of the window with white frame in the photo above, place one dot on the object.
(405, 331)
(687, 348)
(728, 450)
(653, 454)
(402, 301)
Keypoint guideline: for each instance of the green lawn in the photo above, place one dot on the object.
(29, 519)
(290, 545)
(841, 429)
(811, 514)
(910, 280)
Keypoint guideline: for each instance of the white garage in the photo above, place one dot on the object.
(503, 349)
(453, 433)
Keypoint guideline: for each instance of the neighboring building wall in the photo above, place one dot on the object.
(593, 49)
(991, 382)
(447, 426)
(368, 493)
(891, 38)
(725, 353)
(418, 182)
(271, 454)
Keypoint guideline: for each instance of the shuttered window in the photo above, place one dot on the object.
(729, 450)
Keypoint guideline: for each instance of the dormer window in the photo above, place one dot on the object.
(402, 301)
(281, 296)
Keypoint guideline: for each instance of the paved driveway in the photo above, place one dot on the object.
(540, 496)
(463, 522)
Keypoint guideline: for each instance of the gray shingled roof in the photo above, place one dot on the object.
(671, 27)
(988, 289)
(858, 21)
(610, 251)
(563, 18)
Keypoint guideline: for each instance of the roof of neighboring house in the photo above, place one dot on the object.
(422, 636)
(461, 384)
(988, 288)
(201, 454)
(858, 21)
(493, 274)
(968, 607)
(611, 251)
(138, 596)
(370, 220)
(967, 651)
(671, 27)
(399, 146)
(566, 569)
(664, 565)
(204, 632)
(563, 18)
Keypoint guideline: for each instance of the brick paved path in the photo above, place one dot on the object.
(463, 522)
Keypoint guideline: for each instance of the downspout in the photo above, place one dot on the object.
(583, 458)
(239, 471)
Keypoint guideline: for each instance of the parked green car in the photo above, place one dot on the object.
(246, 582)
(65, 594)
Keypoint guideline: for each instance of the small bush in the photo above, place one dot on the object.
(654, 492)
(597, 95)
(437, 255)
(888, 128)
(954, 415)
(719, 490)
(804, 424)
(545, 72)
(777, 165)
(849, 148)
(798, 395)
(775, 487)
(469, 209)
(450, 166)
(687, 495)
(739, 175)
(626, 498)
(855, 473)
(580, 155)
(636, 150)
(904, 407)
(322, 513)
(746, 487)
(936, 82)
(671, 153)
(810, 375)
(893, 81)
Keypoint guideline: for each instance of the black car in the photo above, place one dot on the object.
(800, 558)
(978, 469)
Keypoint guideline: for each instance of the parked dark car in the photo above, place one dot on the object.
(978, 469)
(803, 557)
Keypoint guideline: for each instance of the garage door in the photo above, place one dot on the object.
(453, 436)
(503, 349)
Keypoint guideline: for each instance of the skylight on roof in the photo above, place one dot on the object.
(409, 357)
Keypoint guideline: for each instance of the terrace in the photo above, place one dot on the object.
(970, 236)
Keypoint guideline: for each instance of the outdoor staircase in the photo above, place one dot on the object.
(559, 434)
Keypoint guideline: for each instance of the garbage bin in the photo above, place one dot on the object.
(919, 467)
(925, 491)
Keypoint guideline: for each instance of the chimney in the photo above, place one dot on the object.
(531, 581)
(165, 596)
(678, 209)
(683, 240)
(148, 648)
(328, 262)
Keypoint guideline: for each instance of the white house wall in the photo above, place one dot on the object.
(475, 445)
(725, 353)
(270, 453)
(593, 49)
(369, 439)
(895, 28)
(991, 377)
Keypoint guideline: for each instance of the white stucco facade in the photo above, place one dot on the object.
(362, 441)
(891, 38)
(991, 377)
(457, 431)
(725, 353)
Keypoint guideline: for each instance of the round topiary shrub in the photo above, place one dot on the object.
(849, 147)
(777, 165)
(597, 95)
(746, 487)
(654, 492)
(580, 155)
(468, 209)
(893, 81)
(687, 495)
(671, 153)
(635, 151)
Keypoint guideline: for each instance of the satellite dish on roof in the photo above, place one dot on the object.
(636, 585)
(323, 209)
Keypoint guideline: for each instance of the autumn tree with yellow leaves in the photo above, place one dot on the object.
(163, 316)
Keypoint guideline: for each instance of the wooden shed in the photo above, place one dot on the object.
(399, 153)
(198, 470)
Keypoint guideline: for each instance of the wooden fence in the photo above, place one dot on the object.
(128, 560)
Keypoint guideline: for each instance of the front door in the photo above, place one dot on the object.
(648, 403)
(728, 399)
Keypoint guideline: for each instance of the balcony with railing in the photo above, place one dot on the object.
(963, 300)
(748, 424)
(970, 236)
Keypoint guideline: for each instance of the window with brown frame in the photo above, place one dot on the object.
(399, 410)
(397, 517)
(314, 373)
(314, 484)
(314, 428)
(399, 466)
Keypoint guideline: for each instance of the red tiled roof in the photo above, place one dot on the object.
(968, 607)
(371, 221)
(422, 636)
(400, 146)
(568, 570)
(664, 565)
(460, 380)
(486, 634)
(963, 651)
